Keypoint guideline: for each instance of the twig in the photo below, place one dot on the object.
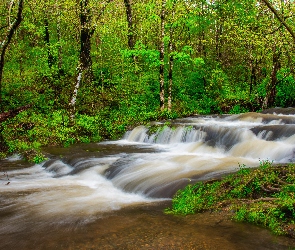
(265, 199)
(270, 189)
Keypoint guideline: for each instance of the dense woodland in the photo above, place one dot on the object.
(84, 70)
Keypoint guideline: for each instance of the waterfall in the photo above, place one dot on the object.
(148, 164)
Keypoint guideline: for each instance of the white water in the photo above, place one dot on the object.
(143, 166)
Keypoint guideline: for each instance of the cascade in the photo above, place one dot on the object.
(150, 163)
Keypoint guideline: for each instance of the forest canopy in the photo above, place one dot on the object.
(88, 69)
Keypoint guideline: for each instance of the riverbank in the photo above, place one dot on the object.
(263, 196)
(30, 131)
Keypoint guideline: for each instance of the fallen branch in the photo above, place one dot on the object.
(270, 189)
(12, 113)
(282, 182)
(227, 203)
(264, 199)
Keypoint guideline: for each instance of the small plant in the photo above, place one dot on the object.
(2, 155)
(39, 158)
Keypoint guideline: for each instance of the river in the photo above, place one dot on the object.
(111, 195)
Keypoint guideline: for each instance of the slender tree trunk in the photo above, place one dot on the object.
(72, 104)
(4, 44)
(85, 74)
(170, 77)
(130, 35)
(274, 79)
(290, 63)
(253, 78)
(272, 87)
(162, 54)
(201, 38)
(47, 42)
(171, 61)
(59, 56)
(218, 42)
(85, 41)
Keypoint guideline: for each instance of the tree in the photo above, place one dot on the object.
(12, 26)
(47, 41)
(131, 39)
(86, 33)
(280, 18)
(162, 55)
(84, 68)
(171, 58)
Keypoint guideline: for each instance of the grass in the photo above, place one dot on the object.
(262, 196)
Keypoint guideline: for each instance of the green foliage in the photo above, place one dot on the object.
(237, 109)
(263, 196)
(285, 88)
(39, 158)
(222, 63)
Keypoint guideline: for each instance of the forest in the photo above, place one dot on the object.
(84, 70)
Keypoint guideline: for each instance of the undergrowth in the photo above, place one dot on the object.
(31, 130)
(263, 196)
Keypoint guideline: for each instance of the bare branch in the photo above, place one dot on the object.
(278, 16)
(264, 199)
(9, 12)
(7, 40)
(270, 189)
(12, 113)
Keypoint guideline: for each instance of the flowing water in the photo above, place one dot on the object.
(110, 195)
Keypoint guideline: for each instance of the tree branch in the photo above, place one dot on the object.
(12, 113)
(7, 40)
(278, 16)
(264, 199)
(270, 189)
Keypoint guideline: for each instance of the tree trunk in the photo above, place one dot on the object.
(85, 41)
(219, 29)
(72, 104)
(162, 54)
(272, 87)
(59, 56)
(253, 78)
(202, 45)
(47, 42)
(170, 79)
(85, 74)
(170, 74)
(130, 35)
(4, 45)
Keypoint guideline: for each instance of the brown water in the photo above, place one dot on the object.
(111, 195)
(146, 227)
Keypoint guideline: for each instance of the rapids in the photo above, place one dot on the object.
(79, 184)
